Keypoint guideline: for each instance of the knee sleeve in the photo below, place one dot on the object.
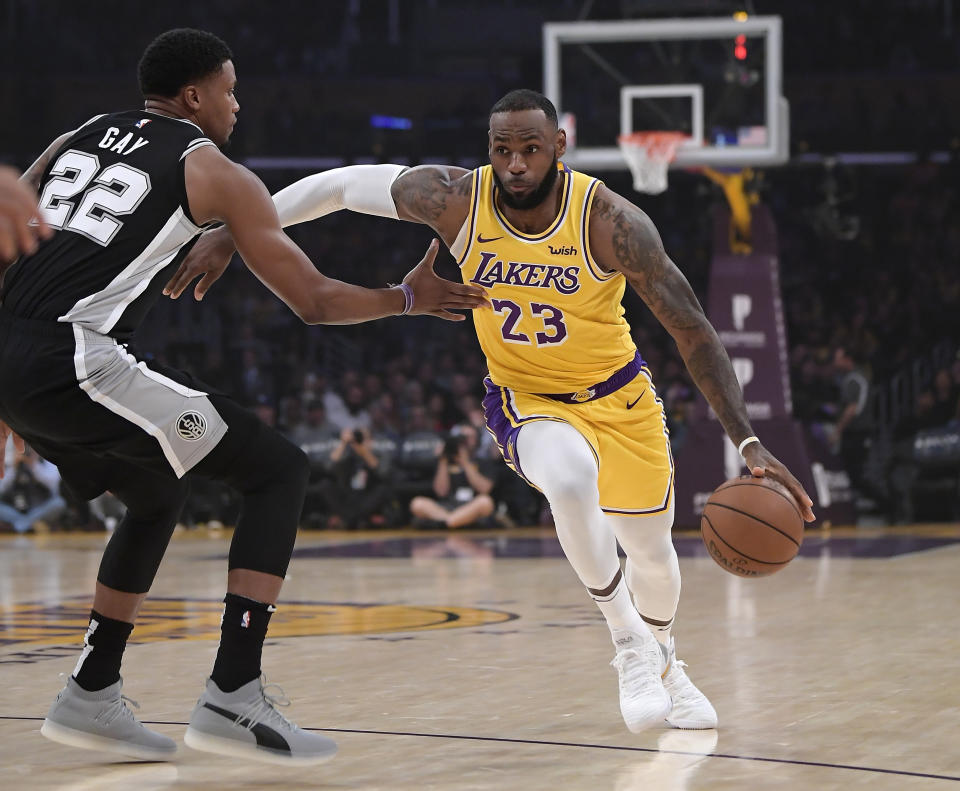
(271, 474)
(138, 543)
(558, 460)
(652, 569)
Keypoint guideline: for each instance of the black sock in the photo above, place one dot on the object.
(99, 667)
(242, 632)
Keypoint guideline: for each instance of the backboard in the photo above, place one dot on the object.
(715, 79)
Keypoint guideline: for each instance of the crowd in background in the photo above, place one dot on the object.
(311, 75)
(868, 254)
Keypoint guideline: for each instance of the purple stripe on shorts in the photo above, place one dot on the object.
(500, 425)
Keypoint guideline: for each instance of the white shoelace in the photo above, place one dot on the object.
(265, 709)
(117, 708)
(682, 689)
(647, 659)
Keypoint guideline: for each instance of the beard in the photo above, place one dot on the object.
(535, 198)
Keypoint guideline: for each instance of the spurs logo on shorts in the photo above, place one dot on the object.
(191, 426)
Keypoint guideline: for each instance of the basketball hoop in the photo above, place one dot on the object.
(649, 154)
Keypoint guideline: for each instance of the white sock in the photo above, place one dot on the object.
(617, 607)
(661, 632)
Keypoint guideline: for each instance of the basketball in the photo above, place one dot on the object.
(751, 526)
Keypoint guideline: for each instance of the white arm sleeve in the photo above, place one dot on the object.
(360, 188)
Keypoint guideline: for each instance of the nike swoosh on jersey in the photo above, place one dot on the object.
(632, 404)
(266, 736)
(481, 240)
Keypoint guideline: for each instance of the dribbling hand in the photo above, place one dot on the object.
(435, 296)
(762, 462)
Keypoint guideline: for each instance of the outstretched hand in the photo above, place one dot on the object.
(435, 296)
(209, 257)
(762, 463)
(6, 431)
(21, 223)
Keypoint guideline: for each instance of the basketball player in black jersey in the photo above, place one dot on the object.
(127, 194)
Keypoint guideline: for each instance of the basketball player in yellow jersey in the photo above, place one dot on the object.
(568, 398)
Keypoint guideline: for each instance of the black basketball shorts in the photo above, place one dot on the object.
(80, 398)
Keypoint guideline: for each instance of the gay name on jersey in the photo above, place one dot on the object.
(490, 272)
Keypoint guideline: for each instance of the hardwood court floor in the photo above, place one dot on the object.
(476, 661)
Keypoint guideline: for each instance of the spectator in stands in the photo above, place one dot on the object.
(852, 430)
(462, 491)
(265, 410)
(355, 400)
(418, 455)
(358, 491)
(317, 437)
(314, 433)
(29, 491)
(945, 396)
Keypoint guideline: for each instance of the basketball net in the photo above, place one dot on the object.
(649, 154)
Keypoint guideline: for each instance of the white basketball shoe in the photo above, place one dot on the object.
(691, 709)
(640, 663)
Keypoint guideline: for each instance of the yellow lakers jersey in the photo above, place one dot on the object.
(557, 322)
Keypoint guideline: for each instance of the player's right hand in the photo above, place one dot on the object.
(762, 463)
(435, 296)
(6, 431)
(21, 224)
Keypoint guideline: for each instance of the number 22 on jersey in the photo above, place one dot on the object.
(112, 192)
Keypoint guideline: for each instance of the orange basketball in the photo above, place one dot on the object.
(752, 526)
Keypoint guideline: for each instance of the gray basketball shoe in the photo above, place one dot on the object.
(101, 721)
(246, 724)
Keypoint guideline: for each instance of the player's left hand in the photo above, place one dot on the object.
(435, 296)
(209, 257)
(762, 462)
(6, 431)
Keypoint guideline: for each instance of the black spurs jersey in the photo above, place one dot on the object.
(115, 194)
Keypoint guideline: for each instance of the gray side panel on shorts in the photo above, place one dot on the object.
(183, 421)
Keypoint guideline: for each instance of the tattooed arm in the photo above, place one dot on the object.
(624, 239)
(434, 195)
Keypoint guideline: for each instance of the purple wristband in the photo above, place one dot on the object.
(407, 298)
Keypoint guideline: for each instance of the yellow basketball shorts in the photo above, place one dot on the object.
(622, 420)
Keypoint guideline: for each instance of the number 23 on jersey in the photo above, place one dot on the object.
(554, 330)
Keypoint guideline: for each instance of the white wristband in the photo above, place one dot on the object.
(744, 444)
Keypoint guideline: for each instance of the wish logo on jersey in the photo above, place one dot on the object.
(492, 271)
